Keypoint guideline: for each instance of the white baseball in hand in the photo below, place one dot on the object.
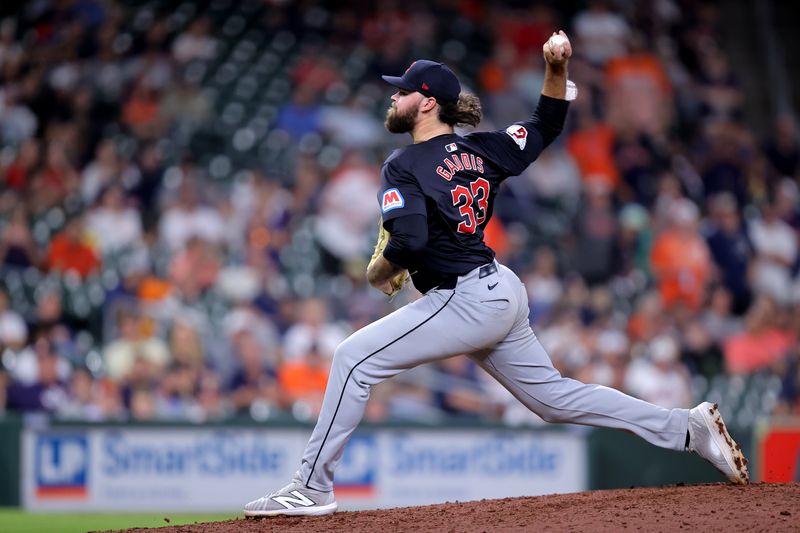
(558, 44)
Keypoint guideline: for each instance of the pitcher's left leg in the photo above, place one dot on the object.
(522, 365)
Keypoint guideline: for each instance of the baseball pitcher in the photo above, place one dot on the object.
(436, 198)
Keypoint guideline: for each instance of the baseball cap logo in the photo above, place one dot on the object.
(439, 81)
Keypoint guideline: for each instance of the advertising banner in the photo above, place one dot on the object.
(188, 469)
(779, 451)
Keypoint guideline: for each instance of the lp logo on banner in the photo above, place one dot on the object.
(357, 472)
(61, 464)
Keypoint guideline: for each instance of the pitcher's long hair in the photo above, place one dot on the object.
(466, 112)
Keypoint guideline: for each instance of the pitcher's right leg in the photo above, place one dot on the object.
(409, 336)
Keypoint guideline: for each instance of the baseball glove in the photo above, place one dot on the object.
(399, 280)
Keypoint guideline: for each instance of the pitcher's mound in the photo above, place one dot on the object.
(716, 507)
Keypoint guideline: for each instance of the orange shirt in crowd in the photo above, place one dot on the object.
(593, 151)
(141, 109)
(639, 94)
(298, 379)
(749, 352)
(495, 237)
(493, 77)
(153, 289)
(682, 266)
(66, 254)
(638, 66)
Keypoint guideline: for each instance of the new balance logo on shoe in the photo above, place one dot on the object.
(293, 500)
(291, 503)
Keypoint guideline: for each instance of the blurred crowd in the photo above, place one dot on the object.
(188, 199)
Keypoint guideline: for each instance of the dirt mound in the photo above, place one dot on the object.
(716, 507)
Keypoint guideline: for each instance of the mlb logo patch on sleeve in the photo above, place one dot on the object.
(452, 147)
(392, 199)
(519, 134)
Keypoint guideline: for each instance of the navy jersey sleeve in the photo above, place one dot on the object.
(520, 144)
(400, 193)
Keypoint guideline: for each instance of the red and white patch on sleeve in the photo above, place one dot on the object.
(518, 134)
(392, 199)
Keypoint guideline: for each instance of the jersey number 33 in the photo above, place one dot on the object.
(471, 203)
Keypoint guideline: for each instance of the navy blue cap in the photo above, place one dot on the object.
(429, 78)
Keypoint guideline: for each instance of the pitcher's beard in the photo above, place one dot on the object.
(397, 122)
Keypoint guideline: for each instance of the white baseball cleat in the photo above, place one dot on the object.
(295, 499)
(709, 438)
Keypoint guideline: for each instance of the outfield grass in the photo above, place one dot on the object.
(18, 521)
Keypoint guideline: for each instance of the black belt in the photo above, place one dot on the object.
(451, 281)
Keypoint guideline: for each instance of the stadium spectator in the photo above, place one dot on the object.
(143, 406)
(188, 218)
(185, 344)
(634, 243)
(775, 247)
(69, 252)
(107, 169)
(301, 116)
(195, 43)
(47, 391)
(591, 145)
(554, 178)
(17, 121)
(730, 247)
(211, 401)
(11, 51)
(56, 180)
(543, 284)
(761, 345)
(783, 147)
(134, 342)
(680, 259)
(648, 318)
(140, 112)
(313, 331)
(345, 222)
(642, 160)
(596, 235)
(638, 91)
(658, 376)
(608, 359)
(255, 379)
(459, 390)
(113, 225)
(175, 396)
(601, 33)
(719, 90)
(183, 105)
(718, 319)
(80, 403)
(302, 382)
(17, 247)
(47, 321)
(701, 352)
(352, 125)
(195, 268)
(19, 174)
(721, 158)
(786, 202)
